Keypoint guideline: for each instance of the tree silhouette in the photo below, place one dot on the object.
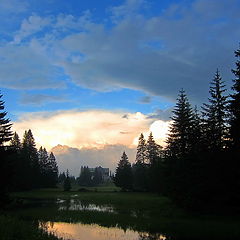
(179, 139)
(215, 115)
(5, 125)
(123, 177)
(235, 105)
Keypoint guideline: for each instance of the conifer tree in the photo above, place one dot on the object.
(30, 160)
(179, 139)
(152, 149)
(141, 150)
(5, 125)
(235, 105)
(139, 169)
(67, 183)
(123, 176)
(15, 142)
(53, 170)
(5, 154)
(215, 115)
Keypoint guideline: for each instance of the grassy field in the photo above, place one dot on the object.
(143, 212)
(137, 211)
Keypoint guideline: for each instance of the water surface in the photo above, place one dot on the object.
(79, 231)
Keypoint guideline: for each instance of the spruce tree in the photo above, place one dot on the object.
(152, 150)
(67, 183)
(140, 167)
(6, 159)
(215, 115)
(53, 170)
(15, 142)
(235, 105)
(123, 176)
(30, 160)
(141, 150)
(179, 138)
(5, 125)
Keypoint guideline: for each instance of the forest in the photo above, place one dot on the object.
(199, 168)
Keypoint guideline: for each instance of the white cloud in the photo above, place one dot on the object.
(92, 137)
(30, 26)
(73, 158)
(91, 129)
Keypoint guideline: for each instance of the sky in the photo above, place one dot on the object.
(89, 76)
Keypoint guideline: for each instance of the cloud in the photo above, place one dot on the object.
(91, 129)
(23, 67)
(158, 54)
(73, 158)
(41, 99)
(30, 26)
(161, 114)
(145, 99)
(90, 137)
(13, 6)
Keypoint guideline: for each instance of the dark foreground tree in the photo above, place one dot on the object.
(215, 115)
(67, 183)
(235, 106)
(31, 168)
(140, 168)
(123, 176)
(6, 159)
(5, 125)
(179, 140)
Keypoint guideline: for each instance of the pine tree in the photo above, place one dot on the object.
(139, 169)
(6, 161)
(235, 105)
(123, 176)
(15, 142)
(53, 170)
(179, 139)
(30, 160)
(67, 183)
(141, 150)
(152, 150)
(215, 115)
(5, 125)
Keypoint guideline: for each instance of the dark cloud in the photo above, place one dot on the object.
(40, 99)
(180, 48)
(145, 99)
(164, 115)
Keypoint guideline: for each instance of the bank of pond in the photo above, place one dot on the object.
(53, 214)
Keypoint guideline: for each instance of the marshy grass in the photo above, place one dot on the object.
(135, 211)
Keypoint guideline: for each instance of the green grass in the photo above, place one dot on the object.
(137, 211)
(12, 228)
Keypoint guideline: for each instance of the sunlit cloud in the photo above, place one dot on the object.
(89, 129)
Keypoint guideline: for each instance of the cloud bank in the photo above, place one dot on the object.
(159, 54)
(90, 137)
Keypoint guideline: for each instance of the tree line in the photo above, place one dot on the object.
(199, 168)
(22, 165)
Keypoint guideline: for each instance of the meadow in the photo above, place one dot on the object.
(142, 212)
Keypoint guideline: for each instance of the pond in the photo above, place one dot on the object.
(89, 217)
(79, 231)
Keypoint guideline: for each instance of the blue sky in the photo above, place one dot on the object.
(109, 54)
(112, 56)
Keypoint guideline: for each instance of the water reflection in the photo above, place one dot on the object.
(78, 231)
(77, 205)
